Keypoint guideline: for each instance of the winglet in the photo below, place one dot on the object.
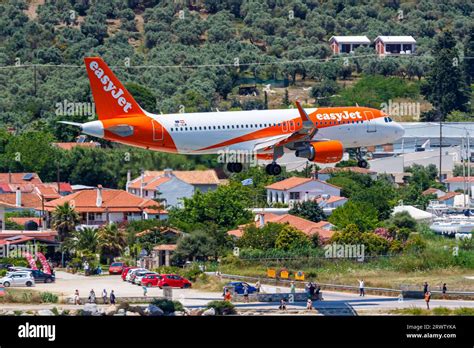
(304, 116)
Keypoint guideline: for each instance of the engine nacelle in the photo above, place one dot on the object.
(322, 151)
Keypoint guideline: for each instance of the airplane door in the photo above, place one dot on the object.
(371, 126)
(157, 131)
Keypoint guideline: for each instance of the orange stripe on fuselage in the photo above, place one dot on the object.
(277, 130)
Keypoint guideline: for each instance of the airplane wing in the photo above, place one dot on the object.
(305, 133)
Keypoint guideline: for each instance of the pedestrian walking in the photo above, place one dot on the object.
(427, 299)
(361, 287)
(246, 293)
(112, 297)
(309, 304)
(92, 296)
(86, 268)
(77, 299)
(227, 295)
(426, 288)
(282, 304)
(145, 290)
(292, 287)
(258, 286)
(104, 296)
(444, 290)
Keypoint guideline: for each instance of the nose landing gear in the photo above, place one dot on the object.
(361, 161)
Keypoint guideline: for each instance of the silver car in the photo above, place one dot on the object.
(17, 279)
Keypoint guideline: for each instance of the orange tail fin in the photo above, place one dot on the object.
(111, 98)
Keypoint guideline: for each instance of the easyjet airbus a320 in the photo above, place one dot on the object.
(319, 135)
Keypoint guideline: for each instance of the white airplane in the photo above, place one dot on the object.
(319, 134)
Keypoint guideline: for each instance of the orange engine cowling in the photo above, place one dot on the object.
(329, 151)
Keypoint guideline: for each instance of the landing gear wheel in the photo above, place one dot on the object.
(362, 163)
(234, 167)
(273, 169)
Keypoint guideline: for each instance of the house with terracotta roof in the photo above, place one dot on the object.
(19, 178)
(329, 203)
(325, 173)
(296, 189)
(101, 206)
(457, 183)
(433, 191)
(171, 186)
(449, 198)
(323, 228)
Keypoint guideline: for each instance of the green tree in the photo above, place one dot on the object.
(84, 240)
(308, 210)
(261, 238)
(364, 216)
(445, 86)
(64, 220)
(290, 238)
(112, 241)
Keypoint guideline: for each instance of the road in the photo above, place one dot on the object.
(66, 284)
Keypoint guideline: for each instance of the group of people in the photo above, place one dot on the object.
(313, 290)
(106, 298)
(427, 293)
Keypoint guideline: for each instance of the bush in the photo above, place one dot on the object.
(222, 307)
(47, 297)
(168, 306)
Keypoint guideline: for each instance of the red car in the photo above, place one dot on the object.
(125, 272)
(117, 267)
(174, 281)
(151, 280)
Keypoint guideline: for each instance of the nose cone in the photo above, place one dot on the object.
(398, 130)
(94, 128)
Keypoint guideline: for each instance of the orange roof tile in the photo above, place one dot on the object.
(23, 220)
(294, 181)
(17, 178)
(448, 195)
(430, 191)
(170, 247)
(193, 177)
(459, 179)
(112, 201)
(28, 200)
(70, 145)
(331, 199)
(330, 170)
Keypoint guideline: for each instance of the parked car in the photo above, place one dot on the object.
(5, 265)
(117, 267)
(17, 279)
(150, 280)
(125, 272)
(174, 281)
(239, 287)
(139, 276)
(18, 269)
(41, 277)
(131, 275)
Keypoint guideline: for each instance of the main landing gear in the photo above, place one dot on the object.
(361, 161)
(235, 167)
(273, 169)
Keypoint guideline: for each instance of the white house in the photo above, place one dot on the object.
(170, 186)
(297, 189)
(326, 173)
(395, 45)
(457, 183)
(347, 44)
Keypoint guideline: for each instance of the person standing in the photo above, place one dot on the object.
(112, 297)
(311, 290)
(77, 299)
(318, 292)
(258, 286)
(292, 287)
(427, 299)
(246, 293)
(426, 288)
(92, 296)
(227, 295)
(309, 304)
(361, 287)
(145, 290)
(104, 296)
(86, 268)
(282, 304)
(444, 290)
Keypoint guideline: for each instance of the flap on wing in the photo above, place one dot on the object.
(269, 142)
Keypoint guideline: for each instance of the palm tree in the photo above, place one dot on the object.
(112, 241)
(64, 220)
(85, 239)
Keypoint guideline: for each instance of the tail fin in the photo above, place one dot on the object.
(111, 98)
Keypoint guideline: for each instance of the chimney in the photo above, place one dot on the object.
(306, 196)
(129, 178)
(18, 197)
(98, 201)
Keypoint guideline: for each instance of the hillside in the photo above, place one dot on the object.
(159, 47)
